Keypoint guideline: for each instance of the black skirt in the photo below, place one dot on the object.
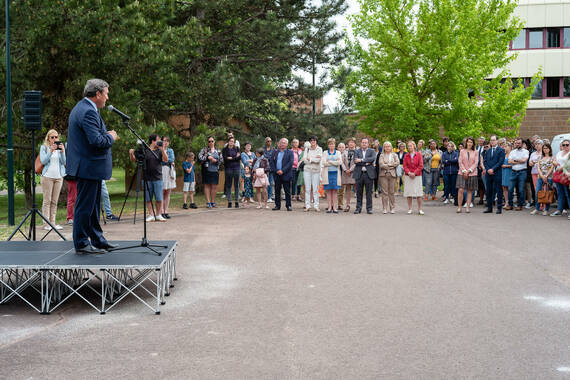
(210, 178)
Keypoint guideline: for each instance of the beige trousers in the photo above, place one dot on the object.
(388, 184)
(51, 187)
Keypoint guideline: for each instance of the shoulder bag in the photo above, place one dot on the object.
(546, 194)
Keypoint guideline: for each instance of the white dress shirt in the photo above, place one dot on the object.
(519, 154)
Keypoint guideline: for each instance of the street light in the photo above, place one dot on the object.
(9, 143)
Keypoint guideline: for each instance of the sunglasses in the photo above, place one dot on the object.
(565, 144)
(53, 137)
(210, 141)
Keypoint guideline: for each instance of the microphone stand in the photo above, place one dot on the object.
(144, 241)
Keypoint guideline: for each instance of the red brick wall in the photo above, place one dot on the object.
(546, 123)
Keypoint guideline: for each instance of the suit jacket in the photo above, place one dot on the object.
(496, 161)
(88, 144)
(286, 164)
(367, 162)
(388, 169)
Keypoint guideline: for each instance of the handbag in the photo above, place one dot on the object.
(172, 172)
(560, 178)
(259, 172)
(546, 194)
(38, 166)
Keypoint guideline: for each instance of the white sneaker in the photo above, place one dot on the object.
(150, 218)
(421, 212)
(527, 206)
(58, 227)
(270, 200)
(534, 212)
(545, 213)
(564, 211)
(409, 212)
(47, 227)
(471, 205)
(446, 201)
(160, 218)
(556, 213)
(223, 196)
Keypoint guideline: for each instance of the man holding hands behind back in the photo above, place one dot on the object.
(89, 160)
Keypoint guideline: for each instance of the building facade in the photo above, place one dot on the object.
(544, 45)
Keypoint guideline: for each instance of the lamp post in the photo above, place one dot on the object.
(9, 143)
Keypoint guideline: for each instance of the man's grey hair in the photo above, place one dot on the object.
(284, 139)
(93, 86)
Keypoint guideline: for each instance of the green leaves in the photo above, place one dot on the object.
(422, 60)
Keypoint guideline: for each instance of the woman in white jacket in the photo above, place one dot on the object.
(331, 175)
(312, 173)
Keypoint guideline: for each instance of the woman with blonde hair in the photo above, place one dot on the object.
(330, 173)
(52, 156)
(388, 162)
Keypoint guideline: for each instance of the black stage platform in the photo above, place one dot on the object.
(53, 272)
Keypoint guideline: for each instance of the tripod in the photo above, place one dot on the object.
(32, 212)
(144, 241)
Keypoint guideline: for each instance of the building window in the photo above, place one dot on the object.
(520, 41)
(552, 87)
(553, 37)
(537, 93)
(567, 37)
(535, 39)
(516, 82)
(567, 87)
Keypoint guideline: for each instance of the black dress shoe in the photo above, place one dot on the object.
(488, 211)
(276, 208)
(369, 211)
(166, 216)
(357, 211)
(499, 211)
(236, 205)
(88, 249)
(107, 246)
(229, 204)
(289, 209)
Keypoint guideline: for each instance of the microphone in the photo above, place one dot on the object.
(125, 117)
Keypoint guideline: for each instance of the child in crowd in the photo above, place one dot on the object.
(261, 181)
(247, 185)
(189, 180)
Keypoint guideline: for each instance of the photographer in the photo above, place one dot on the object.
(152, 175)
(52, 156)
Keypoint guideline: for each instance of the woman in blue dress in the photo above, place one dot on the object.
(506, 172)
(331, 175)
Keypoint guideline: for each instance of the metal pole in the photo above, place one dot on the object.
(9, 143)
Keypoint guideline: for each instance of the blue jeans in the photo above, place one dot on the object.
(539, 183)
(432, 181)
(271, 185)
(449, 185)
(518, 179)
(154, 188)
(105, 199)
(562, 192)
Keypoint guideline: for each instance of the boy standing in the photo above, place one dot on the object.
(189, 180)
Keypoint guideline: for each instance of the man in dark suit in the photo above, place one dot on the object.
(282, 167)
(364, 175)
(89, 160)
(493, 160)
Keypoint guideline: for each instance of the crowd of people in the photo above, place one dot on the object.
(496, 171)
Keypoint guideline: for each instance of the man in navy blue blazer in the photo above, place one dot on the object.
(89, 160)
(281, 163)
(493, 161)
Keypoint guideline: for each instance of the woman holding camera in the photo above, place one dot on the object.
(211, 159)
(168, 176)
(52, 156)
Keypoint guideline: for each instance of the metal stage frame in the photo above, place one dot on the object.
(46, 274)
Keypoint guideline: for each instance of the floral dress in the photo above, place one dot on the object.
(248, 186)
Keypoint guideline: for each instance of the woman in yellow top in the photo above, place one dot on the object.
(432, 179)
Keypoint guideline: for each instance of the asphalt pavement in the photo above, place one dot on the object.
(267, 294)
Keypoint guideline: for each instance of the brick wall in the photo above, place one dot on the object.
(545, 122)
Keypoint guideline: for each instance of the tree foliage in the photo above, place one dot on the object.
(215, 61)
(422, 65)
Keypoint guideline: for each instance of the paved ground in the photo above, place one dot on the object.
(291, 295)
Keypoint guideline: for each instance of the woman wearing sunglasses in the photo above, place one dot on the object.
(211, 159)
(52, 156)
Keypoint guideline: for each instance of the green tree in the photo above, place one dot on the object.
(422, 65)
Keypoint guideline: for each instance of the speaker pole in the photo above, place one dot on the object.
(9, 143)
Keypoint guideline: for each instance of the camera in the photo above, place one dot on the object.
(58, 143)
(159, 143)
